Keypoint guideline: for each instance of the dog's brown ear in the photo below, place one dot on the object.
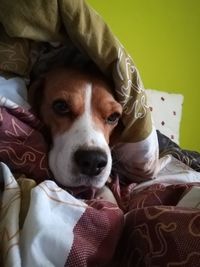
(35, 94)
(35, 98)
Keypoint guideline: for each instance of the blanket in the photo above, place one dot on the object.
(43, 224)
(61, 21)
(46, 226)
(64, 28)
(167, 146)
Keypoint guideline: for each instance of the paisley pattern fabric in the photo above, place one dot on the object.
(43, 225)
(26, 27)
(157, 233)
(59, 21)
(14, 54)
(22, 144)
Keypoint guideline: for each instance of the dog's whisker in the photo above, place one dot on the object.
(115, 163)
(117, 160)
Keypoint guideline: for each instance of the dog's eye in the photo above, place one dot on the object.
(60, 107)
(113, 118)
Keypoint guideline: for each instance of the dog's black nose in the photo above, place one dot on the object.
(90, 162)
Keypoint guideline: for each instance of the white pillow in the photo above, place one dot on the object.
(166, 111)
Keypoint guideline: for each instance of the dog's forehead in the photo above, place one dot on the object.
(63, 80)
(74, 80)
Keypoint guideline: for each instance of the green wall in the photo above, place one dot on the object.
(163, 37)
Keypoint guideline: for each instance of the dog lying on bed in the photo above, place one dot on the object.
(80, 112)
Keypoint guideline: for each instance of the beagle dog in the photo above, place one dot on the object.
(80, 111)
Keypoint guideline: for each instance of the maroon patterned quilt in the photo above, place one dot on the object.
(156, 232)
(22, 145)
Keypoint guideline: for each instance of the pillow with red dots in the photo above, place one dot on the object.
(166, 111)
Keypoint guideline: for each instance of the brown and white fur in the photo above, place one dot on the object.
(80, 111)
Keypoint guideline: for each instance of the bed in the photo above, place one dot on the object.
(151, 223)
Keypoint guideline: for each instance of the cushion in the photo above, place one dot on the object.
(166, 111)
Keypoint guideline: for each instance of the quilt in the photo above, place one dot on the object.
(26, 26)
(43, 224)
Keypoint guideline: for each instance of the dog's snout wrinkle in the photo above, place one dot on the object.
(90, 162)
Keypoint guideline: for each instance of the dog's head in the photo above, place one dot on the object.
(81, 113)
